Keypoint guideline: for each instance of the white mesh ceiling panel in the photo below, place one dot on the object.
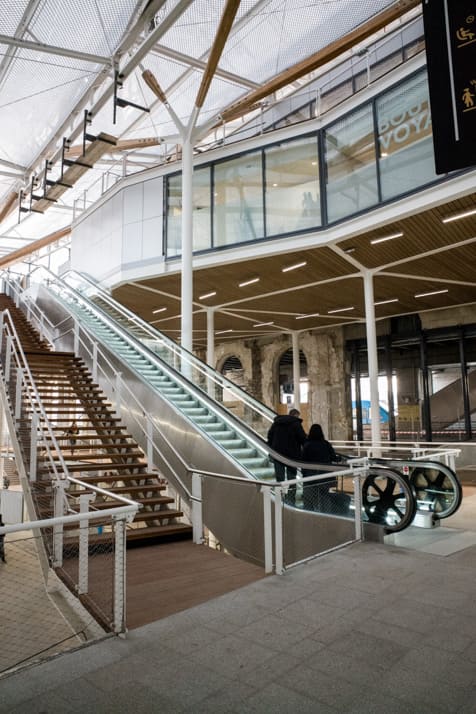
(288, 31)
(85, 25)
(11, 13)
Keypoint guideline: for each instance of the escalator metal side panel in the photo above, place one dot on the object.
(234, 515)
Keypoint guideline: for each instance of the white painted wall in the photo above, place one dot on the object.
(122, 234)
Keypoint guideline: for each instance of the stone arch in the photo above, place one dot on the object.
(285, 376)
(232, 368)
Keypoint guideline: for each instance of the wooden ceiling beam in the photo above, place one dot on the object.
(17, 255)
(224, 28)
(319, 58)
(8, 205)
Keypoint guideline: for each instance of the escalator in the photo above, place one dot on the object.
(186, 401)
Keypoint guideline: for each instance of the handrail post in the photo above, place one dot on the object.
(83, 562)
(150, 443)
(8, 357)
(197, 514)
(278, 530)
(42, 325)
(1, 331)
(119, 527)
(268, 529)
(58, 528)
(358, 508)
(118, 392)
(76, 337)
(18, 393)
(33, 446)
(95, 361)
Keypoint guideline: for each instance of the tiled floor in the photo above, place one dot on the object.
(368, 629)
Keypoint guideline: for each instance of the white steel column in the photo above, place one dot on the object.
(372, 355)
(187, 245)
(296, 371)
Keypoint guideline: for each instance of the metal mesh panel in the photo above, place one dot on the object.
(96, 594)
(11, 15)
(98, 27)
(32, 626)
(53, 83)
(319, 516)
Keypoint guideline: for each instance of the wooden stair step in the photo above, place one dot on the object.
(88, 466)
(103, 478)
(129, 454)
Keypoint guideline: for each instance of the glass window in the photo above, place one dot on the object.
(174, 215)
(351, 174)
(292, 187)
(405, 137)
(201, 209)
(201, 212)
(238, 200)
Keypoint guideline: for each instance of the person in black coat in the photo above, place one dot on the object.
(286, 436)
(316, 449)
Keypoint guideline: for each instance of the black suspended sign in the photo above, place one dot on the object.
(450, 36)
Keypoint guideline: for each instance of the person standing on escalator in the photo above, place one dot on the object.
(286, 436)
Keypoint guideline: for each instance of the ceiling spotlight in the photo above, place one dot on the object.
(303, 317)
(294, 267)
(248, 282)
(349, 250)
(159, 309)
(263, 324)
(208, 295)
(433, 292)
(374, 241)
(340, 309)
(457, 216)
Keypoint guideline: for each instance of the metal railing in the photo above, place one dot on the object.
(26, 412)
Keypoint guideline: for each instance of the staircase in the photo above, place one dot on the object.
(103, 453)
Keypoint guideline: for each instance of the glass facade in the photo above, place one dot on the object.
(292, 187)
(351, 171)
(238, 200)
(201, 197)
(378, 152)
(404, 138)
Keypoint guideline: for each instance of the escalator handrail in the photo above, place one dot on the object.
(155, 334)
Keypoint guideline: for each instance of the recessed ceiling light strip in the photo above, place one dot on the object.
(248, 282)
(294, 267)
(374, 241)
(159, 309)
(433, 292)
(458, 216)
(386, 302)
(212, 293)
(340, 309)
(263, 324)
(303, 317)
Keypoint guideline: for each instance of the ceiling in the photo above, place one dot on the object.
(194, 64)
(180, 65)
(426, 256)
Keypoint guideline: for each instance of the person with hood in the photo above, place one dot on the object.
(321, 495)
(286, 436)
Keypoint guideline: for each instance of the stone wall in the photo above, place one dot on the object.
(327, 368)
